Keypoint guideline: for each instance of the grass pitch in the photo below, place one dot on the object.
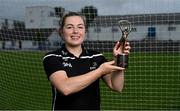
(152, 81)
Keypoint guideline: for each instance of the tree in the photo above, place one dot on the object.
(90, 13)
(59, 11)
(5, 24)
(19, 25)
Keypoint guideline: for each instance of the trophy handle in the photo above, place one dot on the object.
(125, 26)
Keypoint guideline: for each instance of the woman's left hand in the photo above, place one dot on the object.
(118, 48)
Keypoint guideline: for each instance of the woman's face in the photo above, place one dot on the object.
(73, 31)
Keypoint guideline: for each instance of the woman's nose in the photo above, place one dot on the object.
(75, 30)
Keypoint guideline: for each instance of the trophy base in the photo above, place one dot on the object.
(122, 60)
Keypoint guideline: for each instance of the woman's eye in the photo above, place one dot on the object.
(81, 27)
(68, 27)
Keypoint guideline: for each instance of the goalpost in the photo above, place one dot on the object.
(152, 80)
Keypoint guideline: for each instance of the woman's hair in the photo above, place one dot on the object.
(69, 15)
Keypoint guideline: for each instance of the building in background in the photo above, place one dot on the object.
(40, 29)
(162, 26)
(40, 17)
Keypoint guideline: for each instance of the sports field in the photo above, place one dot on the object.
(152, 81)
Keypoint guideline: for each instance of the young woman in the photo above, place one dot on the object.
(74, 71)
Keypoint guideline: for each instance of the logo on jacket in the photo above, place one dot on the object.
(64, 53)
(94, 66)
(65, 64)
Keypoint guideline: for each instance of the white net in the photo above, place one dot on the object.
(151, 82)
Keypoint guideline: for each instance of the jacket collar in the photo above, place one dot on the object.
(65, 52)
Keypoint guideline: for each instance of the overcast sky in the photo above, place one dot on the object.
(15, 9)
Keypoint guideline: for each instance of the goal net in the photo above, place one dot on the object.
(152, 80)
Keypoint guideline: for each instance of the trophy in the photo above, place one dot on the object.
(125, 27)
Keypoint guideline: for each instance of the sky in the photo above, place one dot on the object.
(15, 9)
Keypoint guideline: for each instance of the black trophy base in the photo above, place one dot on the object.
(122, 60)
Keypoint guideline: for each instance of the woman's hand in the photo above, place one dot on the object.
(109, 67)
(118, 48)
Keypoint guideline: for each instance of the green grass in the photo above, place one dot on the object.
(23, 82)
(152, 81)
